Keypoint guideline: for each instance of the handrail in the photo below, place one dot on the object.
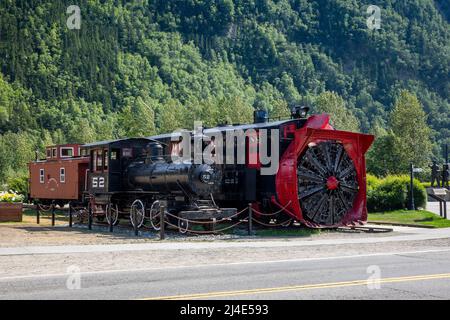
(442, 203)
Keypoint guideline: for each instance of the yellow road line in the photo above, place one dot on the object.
(300, 287)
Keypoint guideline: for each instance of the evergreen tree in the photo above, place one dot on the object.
(341, 117)
(409, 125)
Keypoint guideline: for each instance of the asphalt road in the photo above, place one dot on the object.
(405, 275)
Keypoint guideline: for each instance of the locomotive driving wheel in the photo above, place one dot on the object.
(137, 213)
(82, 213)
(155, 215)
(327, 183)
(112, 213)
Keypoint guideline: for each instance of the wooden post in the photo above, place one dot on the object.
(53, 214)
(136, 231)
(109, 212)
(90, 218)
(445, 209)
(162, 211)
(70, 215)
(38, 214)
(250, 220)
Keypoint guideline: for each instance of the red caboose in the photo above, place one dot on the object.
(60, 177)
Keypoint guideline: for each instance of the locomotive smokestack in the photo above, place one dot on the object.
(260, 116)
(298, 112)
(154, 152)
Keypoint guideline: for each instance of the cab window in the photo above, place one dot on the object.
(94, 160)
(99, 157)
(105, 160)
(115, 154)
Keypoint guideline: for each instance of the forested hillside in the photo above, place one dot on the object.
(145, 66)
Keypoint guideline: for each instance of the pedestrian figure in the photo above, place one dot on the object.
(435, 174)
(445, 175)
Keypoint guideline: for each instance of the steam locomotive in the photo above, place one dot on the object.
(319, 178)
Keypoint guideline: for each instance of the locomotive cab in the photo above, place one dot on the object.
(108, 160)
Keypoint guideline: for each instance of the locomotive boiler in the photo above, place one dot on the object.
(155, 174)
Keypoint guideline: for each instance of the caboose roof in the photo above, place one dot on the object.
(108, 142)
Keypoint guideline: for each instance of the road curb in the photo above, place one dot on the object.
(401, 224)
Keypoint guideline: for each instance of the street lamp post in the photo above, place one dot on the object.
(446, 153)
(411, 205)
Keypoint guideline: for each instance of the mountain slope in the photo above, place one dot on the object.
(175, 61)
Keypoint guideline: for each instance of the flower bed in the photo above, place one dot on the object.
(10, 207)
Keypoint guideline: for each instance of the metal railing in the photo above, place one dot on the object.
(184, 224)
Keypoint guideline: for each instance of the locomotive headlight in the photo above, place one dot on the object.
(206, 177)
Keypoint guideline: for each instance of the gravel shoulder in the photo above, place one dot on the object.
(30, 234)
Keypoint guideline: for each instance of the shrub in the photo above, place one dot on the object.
(372, 181)
(392, 193)
(426, 184)
(19, 184)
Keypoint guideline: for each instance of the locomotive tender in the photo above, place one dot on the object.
(320, 181)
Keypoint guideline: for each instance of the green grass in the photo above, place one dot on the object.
(268, 232)
(415, 217)
(32, 213)
(287, 232)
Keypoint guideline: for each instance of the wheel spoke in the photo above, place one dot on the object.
(311, 192)
(310, 176)
(344, 174)
(313, 160)
(347, 187)
(325, 149)
(331, 209)
(341, 198)
(337, 161)
(319, 205)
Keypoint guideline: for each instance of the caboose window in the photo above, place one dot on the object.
(62, 175)
(54, 154)
(41, 175)
(66, 152)
(49, 153)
